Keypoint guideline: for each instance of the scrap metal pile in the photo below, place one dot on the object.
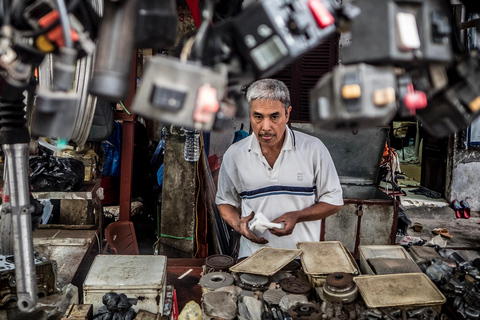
(390, 284)
(404, 56)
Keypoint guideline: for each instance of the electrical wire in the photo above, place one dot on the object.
(198, 193)
(62, 10)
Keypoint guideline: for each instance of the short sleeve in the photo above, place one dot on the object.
(226, 191)
(327, 184)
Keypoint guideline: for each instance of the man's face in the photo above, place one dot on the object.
(268, 120)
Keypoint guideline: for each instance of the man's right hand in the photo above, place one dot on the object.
(245, 231)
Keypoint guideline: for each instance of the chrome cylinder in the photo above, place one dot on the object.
(6, 235)
(26, 284)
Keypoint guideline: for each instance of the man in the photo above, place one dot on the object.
(287, 176)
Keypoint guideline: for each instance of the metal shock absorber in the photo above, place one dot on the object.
(15, 138)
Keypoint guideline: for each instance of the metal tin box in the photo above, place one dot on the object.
(137, 276)
(399, 290)
(389, 255)
(319, 259)
(369, 216)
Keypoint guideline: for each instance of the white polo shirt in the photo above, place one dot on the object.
(302, 175)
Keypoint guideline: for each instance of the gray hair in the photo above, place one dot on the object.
(269, 89)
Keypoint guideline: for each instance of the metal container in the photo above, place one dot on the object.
(369, 216)
(320, 259)
(399, 290)
(137, 276)
(386, 259)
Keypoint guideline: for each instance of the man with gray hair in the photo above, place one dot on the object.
(283, 178)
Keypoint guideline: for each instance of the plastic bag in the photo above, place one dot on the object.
(113, 152)
(56, 174)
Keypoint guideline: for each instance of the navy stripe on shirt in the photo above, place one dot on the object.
(276, 190)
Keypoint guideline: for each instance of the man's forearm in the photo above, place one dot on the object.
(230, 214)
(318, 211)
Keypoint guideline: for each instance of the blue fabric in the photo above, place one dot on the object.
(239, 135)
(160, 176)
(274, 190)
(113, 152)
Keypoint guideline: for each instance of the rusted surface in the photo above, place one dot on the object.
(342, 227)
(320, 258)
(87, 192)
(393, 266)
(399, 290)
(266, 261)
(187, 288)
(67, 247)
(377, 224)
(128, 134)
(339, 280)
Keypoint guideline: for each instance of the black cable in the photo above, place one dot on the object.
(200, 38)
(62, 10)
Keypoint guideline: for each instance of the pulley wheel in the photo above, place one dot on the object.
(305, 312)
(340, 280)
(295, 286)
(219, 262)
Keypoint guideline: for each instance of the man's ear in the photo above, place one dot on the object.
(287, 113)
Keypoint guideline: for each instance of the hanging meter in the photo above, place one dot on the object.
(400, 32)
(180, 92)
(354, 96)
(456, 107)
(272, 33)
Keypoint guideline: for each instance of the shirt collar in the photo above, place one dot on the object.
(288, 143)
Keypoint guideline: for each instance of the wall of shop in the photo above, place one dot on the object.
(463, 173)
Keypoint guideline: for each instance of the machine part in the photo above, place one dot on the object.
(350, 309)
(393, 266)
(354, 96)
(273, 296)
(340, 287)
(6, 235)
(270, 33)
(470, 313)
(438, 271)
(114, 53)
(305, 312)
(252, 281)
(430, 314)
(172, 90)
(337, 308)
(26, 283)
(46, 279)
(218, 304)
(215, 280)
(156, 25)
(219, 262)
(422, 33)
(295, 286)
(291, 266)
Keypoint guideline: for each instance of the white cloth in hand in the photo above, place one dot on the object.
(261, 223)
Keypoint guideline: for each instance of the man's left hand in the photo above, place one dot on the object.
(289, 221)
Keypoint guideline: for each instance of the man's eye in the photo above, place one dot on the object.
(274, 117)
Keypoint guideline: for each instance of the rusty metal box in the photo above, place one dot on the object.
(369, 216)
(388, 260)
(138, 276)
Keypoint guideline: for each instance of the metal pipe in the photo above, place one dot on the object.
(6, 236)
(25, 277)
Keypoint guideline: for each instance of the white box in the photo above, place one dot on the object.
(138, 276)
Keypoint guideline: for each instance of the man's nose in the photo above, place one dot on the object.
(266, 124)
